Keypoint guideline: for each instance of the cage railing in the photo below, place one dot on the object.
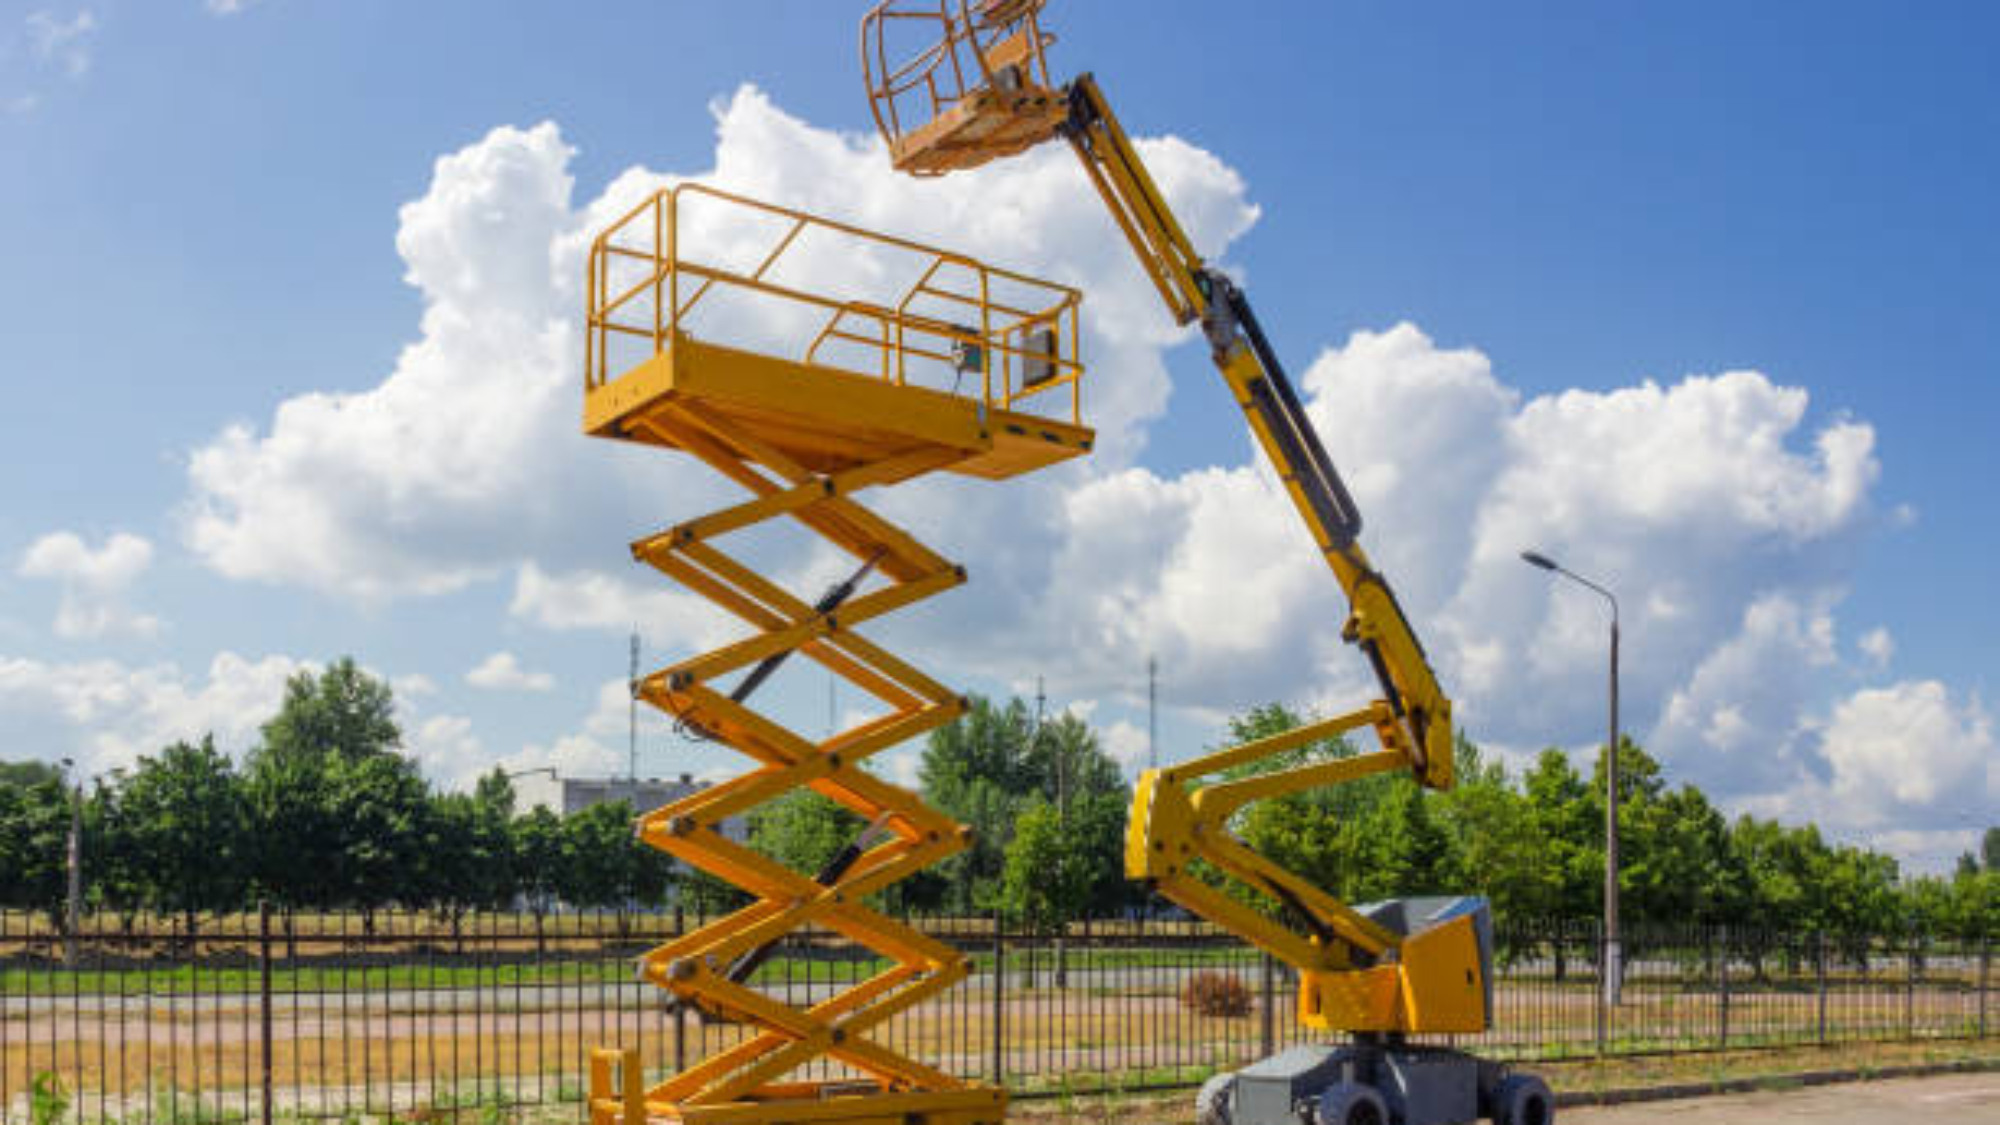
(966, 46)
(801, 293)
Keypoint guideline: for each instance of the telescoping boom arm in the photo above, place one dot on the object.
(1412, 719)
(1421, 729)
(989, 95)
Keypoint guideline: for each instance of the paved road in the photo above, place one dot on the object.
(1958, 1099)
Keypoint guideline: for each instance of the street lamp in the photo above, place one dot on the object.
(1613, 964)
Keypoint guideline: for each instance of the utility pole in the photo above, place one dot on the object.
(632, 718)
(1152, 713)
(73, 907)
(1055, 752)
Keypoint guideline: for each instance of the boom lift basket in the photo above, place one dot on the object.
(974, 88)
(808, 361)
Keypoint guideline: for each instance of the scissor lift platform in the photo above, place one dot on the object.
(836, 346)
(808, 361)
(825, 419)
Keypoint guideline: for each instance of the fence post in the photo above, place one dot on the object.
(680, 1037)
(1910, 985)
(1985, 965)
(1987, 955)
(264, 1003)
(1721, 941)
(1270, 1021)
(999, 1001)
(1819, 954)
(1603, 1004)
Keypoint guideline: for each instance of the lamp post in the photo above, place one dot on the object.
(73, 860)
(553, 776)
(1613, 963)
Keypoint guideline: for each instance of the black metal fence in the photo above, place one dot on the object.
(414, 1017)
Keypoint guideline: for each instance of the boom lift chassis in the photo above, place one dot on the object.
(977, 88)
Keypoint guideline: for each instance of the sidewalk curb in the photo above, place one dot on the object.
(1633, 1094)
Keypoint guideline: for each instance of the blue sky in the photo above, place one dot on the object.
(202, 211)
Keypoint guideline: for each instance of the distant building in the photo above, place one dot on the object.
(566, 795)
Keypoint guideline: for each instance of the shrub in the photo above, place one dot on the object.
(48, 1102)
(1214, 993)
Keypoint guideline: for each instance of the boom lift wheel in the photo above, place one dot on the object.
(1351, 1103)
(1523, 1099)
(1211, 1104)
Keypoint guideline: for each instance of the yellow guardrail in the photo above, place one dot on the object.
(692, 261)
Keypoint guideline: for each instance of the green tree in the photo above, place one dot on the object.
(1316, 833)
(706, 896)
(1066, 761)
(977, 770)
(1073, 774)
(495, 791)
(803, 830)
(1570, 823)
(1989, 849)
(1677, 864)
(1044, 882)
(1975, 912)
(1497, 846)
(383, 808)
(115, 868)
(24, 775)
(600, 857)
(339, 817)
(343, 712)
(183, 812)
(1859, 899)
(468, 857)
(1404, 849)
(296, 840)
(538, 851)
(34, 837)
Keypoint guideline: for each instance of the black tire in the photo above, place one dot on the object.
(1216, 1103)
(1523, 1099)
(1351, 1103)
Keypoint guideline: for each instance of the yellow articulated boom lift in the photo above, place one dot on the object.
(976, 88)
(808, 361)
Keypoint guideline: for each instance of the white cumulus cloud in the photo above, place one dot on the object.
(448, 750)
(63, 42)
(1721, 506)
(93, 581)
(502, 671)
(466, 461)
(106, 713)
(1878, 645)
(1911, 745)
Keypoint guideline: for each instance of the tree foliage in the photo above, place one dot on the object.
(993, 767)
(326, 812)
(182, 811)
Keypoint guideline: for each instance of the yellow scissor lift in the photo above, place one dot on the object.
(807, 360)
